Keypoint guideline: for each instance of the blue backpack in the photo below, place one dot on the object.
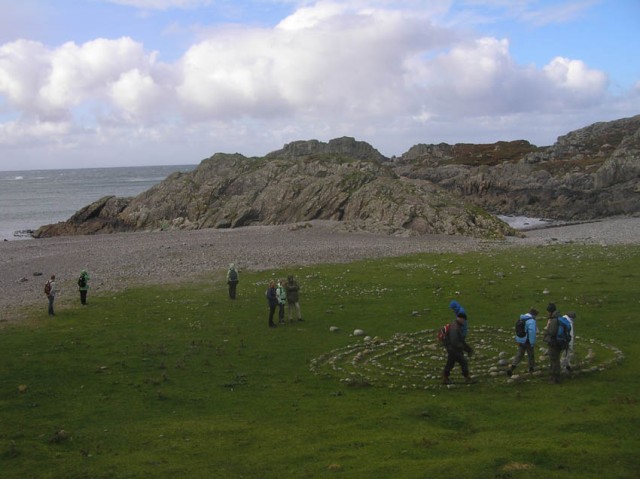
(563, 337)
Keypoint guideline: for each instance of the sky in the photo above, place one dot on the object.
(101, 83)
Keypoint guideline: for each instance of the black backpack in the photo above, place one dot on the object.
(233, 275)
(82, 281)
(521, 328)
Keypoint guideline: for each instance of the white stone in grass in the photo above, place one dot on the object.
(334, 329)
(358, 332)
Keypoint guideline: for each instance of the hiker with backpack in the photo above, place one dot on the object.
(50, 292)
(83, 286)
(557, 337)
(454, 342)
(526, 339)
(567, 358)
(233, 278)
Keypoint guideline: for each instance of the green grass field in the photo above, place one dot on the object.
(173, 382)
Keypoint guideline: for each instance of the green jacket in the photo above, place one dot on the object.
(84, 275)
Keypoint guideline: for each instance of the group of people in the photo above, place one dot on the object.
(559, 335)
(279, 293)
(51, 290)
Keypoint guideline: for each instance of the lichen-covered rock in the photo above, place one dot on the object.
(589, 173)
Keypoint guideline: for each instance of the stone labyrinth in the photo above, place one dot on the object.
(416, 360)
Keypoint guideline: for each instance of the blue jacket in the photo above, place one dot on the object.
(458, 309)
(530, 328)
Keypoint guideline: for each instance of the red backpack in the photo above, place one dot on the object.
(443, 334)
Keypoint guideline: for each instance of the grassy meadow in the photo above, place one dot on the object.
(181, 382)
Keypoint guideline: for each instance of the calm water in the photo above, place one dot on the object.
(30, 199)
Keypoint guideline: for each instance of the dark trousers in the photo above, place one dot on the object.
(554, 362)
(272, 311)
(522, 348)
(281, 312)
(232, 289)
(51, 299)
(83, 296)
(453, 357)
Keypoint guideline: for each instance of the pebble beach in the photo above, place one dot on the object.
(117, 261)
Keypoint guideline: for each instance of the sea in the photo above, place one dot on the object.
(30, 199)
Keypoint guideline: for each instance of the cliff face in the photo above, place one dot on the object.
(589, 173)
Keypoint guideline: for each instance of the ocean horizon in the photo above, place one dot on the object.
(33, 198)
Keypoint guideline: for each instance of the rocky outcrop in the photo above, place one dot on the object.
(99, 217)
(301, 182)
(589, 173)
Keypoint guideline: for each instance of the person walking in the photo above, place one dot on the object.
(568, 356)
(233, 278)
(293, 302)
(83, 286)
(281, 293)
(272, 301)
(50, 291)
(456, 346)
(550, 334)
(526, 342)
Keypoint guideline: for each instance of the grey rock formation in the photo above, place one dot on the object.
(589, 173)
(343, 180)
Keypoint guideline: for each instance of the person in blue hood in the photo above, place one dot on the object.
(526, 342)
(460, 313)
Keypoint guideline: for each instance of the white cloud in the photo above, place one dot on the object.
(15, 133)
(576, 81)
(388, 76)
(137, 94)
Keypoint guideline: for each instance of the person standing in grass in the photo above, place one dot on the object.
(272, 300)
(567, 358)
(232, 280)
(281, 293)
(550, 333)
(456, 346)
(526, 342)
(50, 291)
(293, 297)
(83, 286)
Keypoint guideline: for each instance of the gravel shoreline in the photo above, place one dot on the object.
(116, 261)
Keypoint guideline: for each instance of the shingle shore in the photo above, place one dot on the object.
(116, 261)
